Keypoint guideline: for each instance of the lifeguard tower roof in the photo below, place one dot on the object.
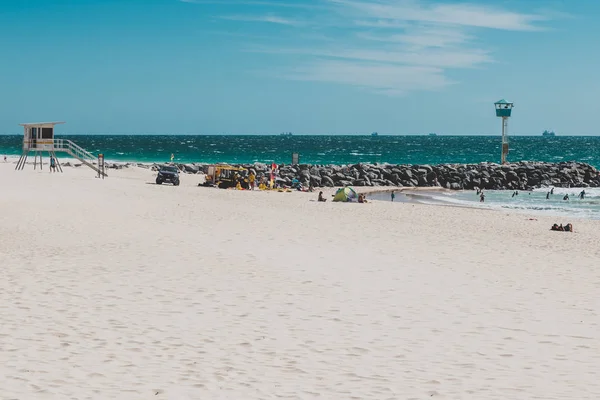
(30, 124)
(502, 101)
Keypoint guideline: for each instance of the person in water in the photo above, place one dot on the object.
(582, 195)
(481, 197)
(547, 195)
(566, 197)
(552, 191)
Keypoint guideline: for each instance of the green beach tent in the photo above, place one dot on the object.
(345, 194)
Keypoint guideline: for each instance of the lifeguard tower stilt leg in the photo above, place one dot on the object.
(58, 166)
(22, 160)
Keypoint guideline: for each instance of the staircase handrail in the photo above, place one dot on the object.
(81, 150)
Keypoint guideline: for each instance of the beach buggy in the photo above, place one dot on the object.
(226, 176)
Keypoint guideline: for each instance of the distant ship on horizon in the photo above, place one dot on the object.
(374, 134)
(432, 134)
(548, 133)
(286, 134)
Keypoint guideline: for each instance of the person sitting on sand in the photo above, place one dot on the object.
(321, 198)
(262, 186)
(554, 227)
(361, 198)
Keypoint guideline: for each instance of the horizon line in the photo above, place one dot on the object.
(309, 134)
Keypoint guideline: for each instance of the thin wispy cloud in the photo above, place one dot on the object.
(381, 78)
(274, 4)
(389, 46)
(422, 37)
(442, 13)
(425, 58)
(272, 19)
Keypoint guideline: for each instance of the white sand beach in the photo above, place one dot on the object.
(122, 289)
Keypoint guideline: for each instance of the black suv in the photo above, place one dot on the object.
(168, 173)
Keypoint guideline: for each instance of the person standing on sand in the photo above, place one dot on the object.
(251, 179)
(393, 195)
(52, 164)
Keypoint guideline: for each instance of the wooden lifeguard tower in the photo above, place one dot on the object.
(39, 138)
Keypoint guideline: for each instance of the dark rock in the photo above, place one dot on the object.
(190, 169)
(304, 174)
(327, 181)
(315, 180)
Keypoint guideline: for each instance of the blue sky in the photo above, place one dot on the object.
(306, 66)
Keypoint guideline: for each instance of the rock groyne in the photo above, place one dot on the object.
(514, 176)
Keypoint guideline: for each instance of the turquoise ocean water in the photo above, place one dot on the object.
(369, 149)
(329, 149)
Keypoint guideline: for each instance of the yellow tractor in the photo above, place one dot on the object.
(225, 176)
